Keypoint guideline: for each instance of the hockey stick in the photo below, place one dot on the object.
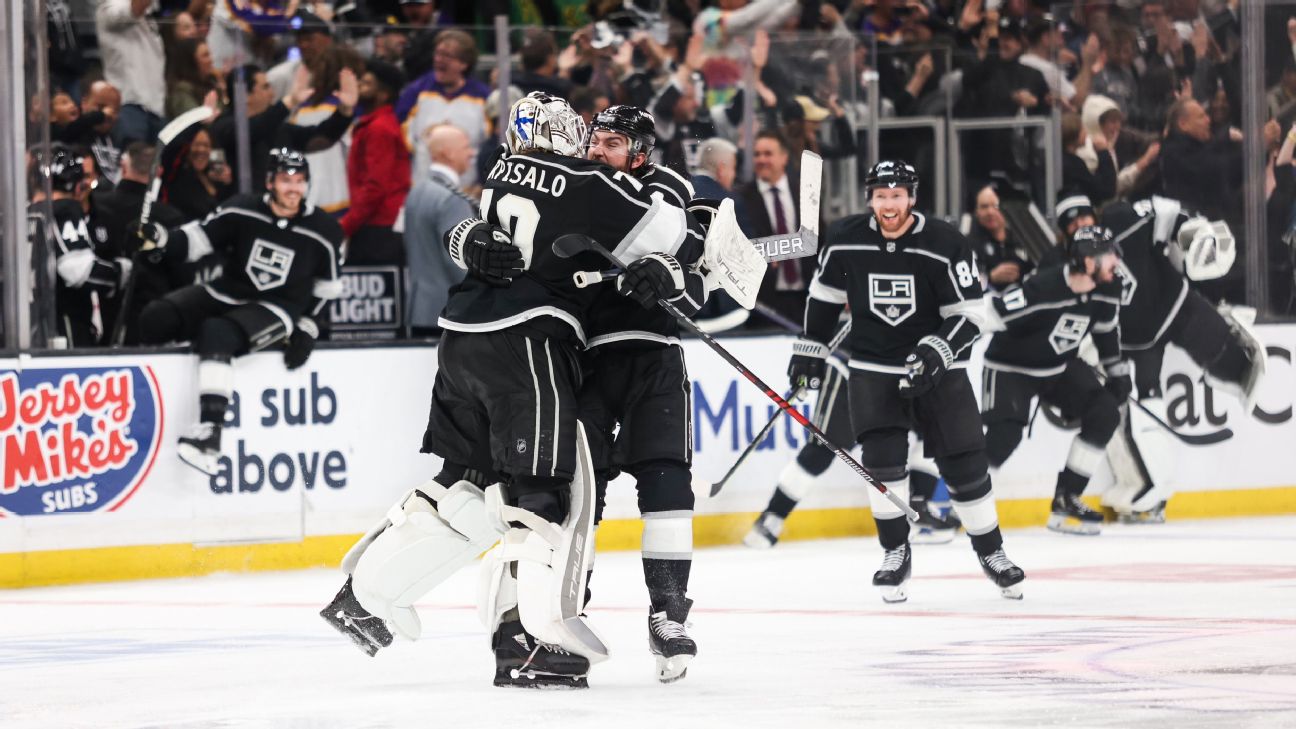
(575, 243)
(1194, 440)
(793, 395)
(169, 134)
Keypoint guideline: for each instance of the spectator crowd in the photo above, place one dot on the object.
(396, 109)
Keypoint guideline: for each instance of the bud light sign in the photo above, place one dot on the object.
(76, 440)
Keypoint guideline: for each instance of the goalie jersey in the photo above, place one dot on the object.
(614, 318)
(899, 291)
(1152, 291)
(539, 197)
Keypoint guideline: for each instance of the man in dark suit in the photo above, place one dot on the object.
(770, 204)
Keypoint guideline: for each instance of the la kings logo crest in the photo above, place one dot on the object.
(1068, 332)
(268, 265)
(892, 297)
(1127, 281)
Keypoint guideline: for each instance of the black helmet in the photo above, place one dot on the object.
(64, 166)
(637, 124)
(892, 173)
(1091, 241)
(286, 159)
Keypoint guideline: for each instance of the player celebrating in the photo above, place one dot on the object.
(1044, 320)
(281, 268)
(504, 406)
(638, 379)
(915, 301)
(1164, 247)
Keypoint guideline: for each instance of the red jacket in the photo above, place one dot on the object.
(378, 171)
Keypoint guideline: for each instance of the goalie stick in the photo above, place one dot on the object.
(574, 244)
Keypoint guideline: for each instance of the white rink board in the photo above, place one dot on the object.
(357, 418)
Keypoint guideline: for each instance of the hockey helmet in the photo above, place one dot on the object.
(539, 121)
(286, 159)
(1071, 207)
(63, 166)
(892, 173)
(637, 125)
(1091, 241)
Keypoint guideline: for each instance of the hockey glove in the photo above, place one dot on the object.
(1119, 384)
(655, 276)
(149, 235)
(485, 250)
(123, 266)
(301, 343)
(808, 364)
(925, 366)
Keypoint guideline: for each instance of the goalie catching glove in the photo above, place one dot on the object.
(808, 364)
(925, 366)
(301, 343)
(485, 250)
(653, 277)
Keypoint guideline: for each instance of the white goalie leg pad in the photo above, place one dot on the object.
(553, 562)
(1241, 319)
(882, 506)
(1127, 478)
(795, 482)
(1156, 449)
(422, 545)
(497, 588)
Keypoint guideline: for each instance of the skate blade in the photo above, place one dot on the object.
(927, 535)
(1012, 592)
(757, 541)
(672, 669)
(1141, 517)
(892, 594)
(540, 680)
(1071, 525)
(208, 465)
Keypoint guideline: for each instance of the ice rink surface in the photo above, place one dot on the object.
(1188, 624)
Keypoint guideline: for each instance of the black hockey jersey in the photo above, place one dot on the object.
(614, 318)
(924, 283)
(289, 264)
(1152, 290)
(1045, 322)
(540, 197)
(82, 268)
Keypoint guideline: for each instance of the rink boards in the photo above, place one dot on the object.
(91, 489)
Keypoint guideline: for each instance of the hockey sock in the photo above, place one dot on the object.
(922, 485)
(545, 497)
(215, 385)
(211, 409)
(1071, 483)
(781, 504)
(667, 581)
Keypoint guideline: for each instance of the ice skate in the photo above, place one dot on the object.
(892, 577)
(1001, 571)
(368, 632)
(668, 641)
(201, 448)
(932, 528)
(765, 532)
(1073, 516)
(521, 660)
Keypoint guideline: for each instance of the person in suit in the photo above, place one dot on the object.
(771, 205)
(435, 205)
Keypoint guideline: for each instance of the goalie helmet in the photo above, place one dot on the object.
(1206, 249)
(547, 123)
(892, 173)
(637, 125)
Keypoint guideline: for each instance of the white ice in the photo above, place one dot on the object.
(1188, 624)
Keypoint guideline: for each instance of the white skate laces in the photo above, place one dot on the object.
(998, 561)
(893, 560)
(665, 628)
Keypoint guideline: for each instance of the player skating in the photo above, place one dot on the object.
(281, 268)
(1044, 319)
(504, 408)
(1164, 247)
(637, 379)
(916, 308)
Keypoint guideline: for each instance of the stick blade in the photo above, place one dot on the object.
(571, 244)
(811, 184)
(196, 115)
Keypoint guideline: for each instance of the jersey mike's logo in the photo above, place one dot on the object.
(891, 297)
(76, 440)
(1068, 332)
(268, 264)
